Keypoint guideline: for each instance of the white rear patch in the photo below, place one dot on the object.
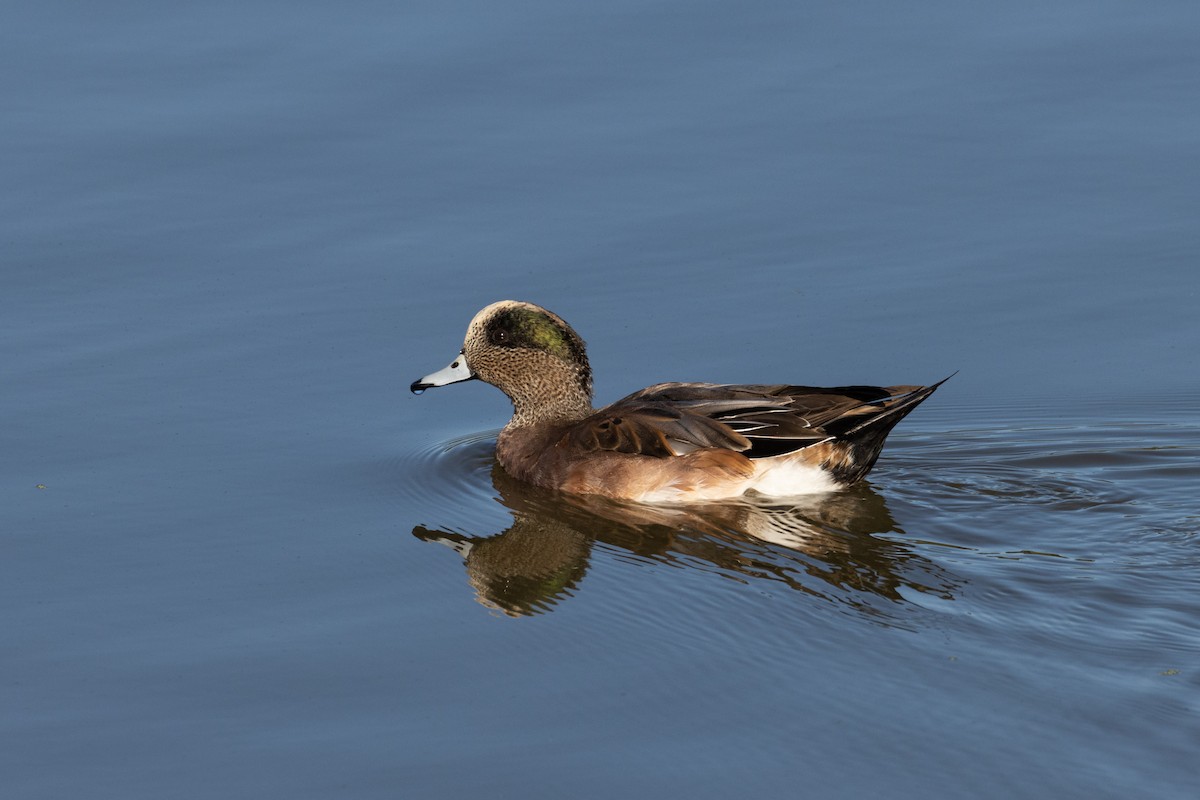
(772, 478)
(785, 478)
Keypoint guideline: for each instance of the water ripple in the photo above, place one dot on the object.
(942, 511)
(451, 476)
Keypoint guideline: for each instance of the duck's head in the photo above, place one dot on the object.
(529, 353)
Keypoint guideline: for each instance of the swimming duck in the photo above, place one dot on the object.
(671, 442)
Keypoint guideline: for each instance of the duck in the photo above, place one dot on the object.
(671, 442)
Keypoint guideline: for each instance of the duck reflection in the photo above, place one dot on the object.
(822, 546)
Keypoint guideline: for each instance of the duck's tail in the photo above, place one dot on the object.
(853, 452)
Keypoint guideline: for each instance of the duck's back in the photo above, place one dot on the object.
(678, 442)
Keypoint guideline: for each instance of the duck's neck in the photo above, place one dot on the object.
(540, 414)
(552, 392)
(567, 404)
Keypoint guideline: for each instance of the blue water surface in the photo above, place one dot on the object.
(232, 234)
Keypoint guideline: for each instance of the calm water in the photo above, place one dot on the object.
(240, 560)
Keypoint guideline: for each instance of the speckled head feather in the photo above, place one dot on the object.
(533, 356)
(513, 324)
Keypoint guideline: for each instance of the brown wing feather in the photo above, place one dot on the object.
(669, 419)
(650, 429)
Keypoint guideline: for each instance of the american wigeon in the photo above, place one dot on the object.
(671, 442)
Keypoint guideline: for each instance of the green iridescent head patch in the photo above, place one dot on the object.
(536, 329)
(524, 327)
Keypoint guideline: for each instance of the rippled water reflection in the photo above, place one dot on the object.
(967, 503)
(823, 548)
(1048, 566)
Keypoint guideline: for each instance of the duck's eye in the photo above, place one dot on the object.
(499, 336)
